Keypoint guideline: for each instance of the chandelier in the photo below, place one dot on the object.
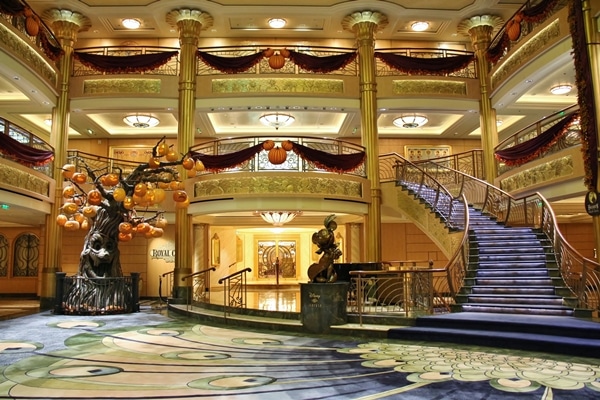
(276, 120)
(278, 218)
(141, 121)
(561, 89)
(410, 121)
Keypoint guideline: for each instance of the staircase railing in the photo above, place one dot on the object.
(580, 274)
(167, 278)
(200, 286)
(235, 292)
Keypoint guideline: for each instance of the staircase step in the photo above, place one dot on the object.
(541, 300)
(503, 290)
(515, 281)
(514, 273)
(517, 309)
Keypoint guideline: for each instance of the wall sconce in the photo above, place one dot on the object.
(215, 253)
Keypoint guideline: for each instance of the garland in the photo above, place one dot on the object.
(585, 89)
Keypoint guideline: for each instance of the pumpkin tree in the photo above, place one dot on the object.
(117, 206)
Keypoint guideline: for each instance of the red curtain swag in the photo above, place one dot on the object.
(418, 65)
(24, 154)
(120, 64)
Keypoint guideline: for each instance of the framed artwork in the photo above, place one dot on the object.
(138, 154)
(419, 153)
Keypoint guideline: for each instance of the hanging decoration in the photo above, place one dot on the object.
(585, 96)
(418, 65)
(321, 159)
(24, 154)
(124, 64)
(534, 148)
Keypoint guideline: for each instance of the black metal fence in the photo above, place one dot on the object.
(78, 295)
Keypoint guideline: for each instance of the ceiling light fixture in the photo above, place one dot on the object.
(131, 23)
(278, 218)
(276, 120)
(561, 89)
(141, 121)
(410, 121)
(419, 26)
(277, 23)
(48, 121)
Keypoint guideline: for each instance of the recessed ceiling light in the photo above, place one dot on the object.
(561, 89)
(277, 23)
(141, 121)
(131, 23)
(419, 26)
(48, 121)
(410, 121)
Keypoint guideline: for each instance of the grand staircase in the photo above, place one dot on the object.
(512, 270)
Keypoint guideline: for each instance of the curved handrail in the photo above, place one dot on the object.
(183, 278)
(247, 269)
(170, 275)
(581, 275)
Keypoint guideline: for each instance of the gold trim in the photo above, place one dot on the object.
(277, 85)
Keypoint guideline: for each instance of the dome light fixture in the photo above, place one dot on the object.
(278, 218)
(276, 120)
(419, 26)
(410, 121)
(141, 121)
(561, 89)
(277, 23)
(131, 23)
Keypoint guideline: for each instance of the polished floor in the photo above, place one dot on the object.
(156, 355)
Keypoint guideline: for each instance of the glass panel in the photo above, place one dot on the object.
(19, 134)
(276, 257)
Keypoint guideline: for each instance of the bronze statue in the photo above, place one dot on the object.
(323, 271)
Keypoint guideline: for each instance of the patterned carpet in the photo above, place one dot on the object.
(151, 355)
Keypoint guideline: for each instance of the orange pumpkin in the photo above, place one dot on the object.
(140, 189)
(154, 162)
(268, 144)
(85, 225)
(276, 61)
(68, 170)
(287, 145)
(32, 26)
(188, 163)
(277, 155)
(125, 237)
(284, 52)
(175, 185)
(157, 232)
(513, 30)
(61, 219)
(128, 203)
(125, 227)
(94, 197)
(27, 12)
(111, 179)
(172, 156)
(71, 225)
(79, 177)
(68, 191)
(143, 227)
(183, 204)
(199, 166)
(161, 222)
(119, 194)
(163, 149)
(268, 52)
(159, 195)
(179, 196)
(90, 211)
(70, 208)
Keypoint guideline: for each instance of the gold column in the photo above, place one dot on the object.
(189, 23)
(364, 24)
(480, 29)
(591, 39)
(65, 25)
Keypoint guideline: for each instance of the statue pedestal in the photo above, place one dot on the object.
(323, 305)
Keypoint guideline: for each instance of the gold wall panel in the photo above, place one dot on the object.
(25, 50)
(23, 180)
(106, 86)
(526, 52)
(277, 85)
(429, 86)
(538, 175)
(278, 185)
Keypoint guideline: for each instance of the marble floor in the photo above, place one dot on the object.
(157, 355)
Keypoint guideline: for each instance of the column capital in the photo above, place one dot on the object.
(375, 18)
(189, 21)
(66, 23)
(480, 28)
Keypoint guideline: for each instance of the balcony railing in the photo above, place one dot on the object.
(200, 284)
(27, 138)
(235, 293)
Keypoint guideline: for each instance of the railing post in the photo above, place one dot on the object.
(59, 292)
(135, 292)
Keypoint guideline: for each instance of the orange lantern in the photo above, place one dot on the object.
(125, 227)
(94, 197)
(79, 177)
(277, 155)
(111, 179)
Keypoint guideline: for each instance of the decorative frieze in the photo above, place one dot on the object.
(538, 175)
(20, 179)
(429, 87)
(120, 86)
(278, 85)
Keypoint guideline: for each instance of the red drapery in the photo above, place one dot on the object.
(24, 154)
(120, 64)
(321, 159)
(230, 65)
(324, 64)
(531, 149)
(418, 65)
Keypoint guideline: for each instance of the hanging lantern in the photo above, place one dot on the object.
(276, 61)
(277, 155)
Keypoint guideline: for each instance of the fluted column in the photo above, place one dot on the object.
(480, 29)
(66, 25)
(189, 23)
(364, 24)
(593, 49)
